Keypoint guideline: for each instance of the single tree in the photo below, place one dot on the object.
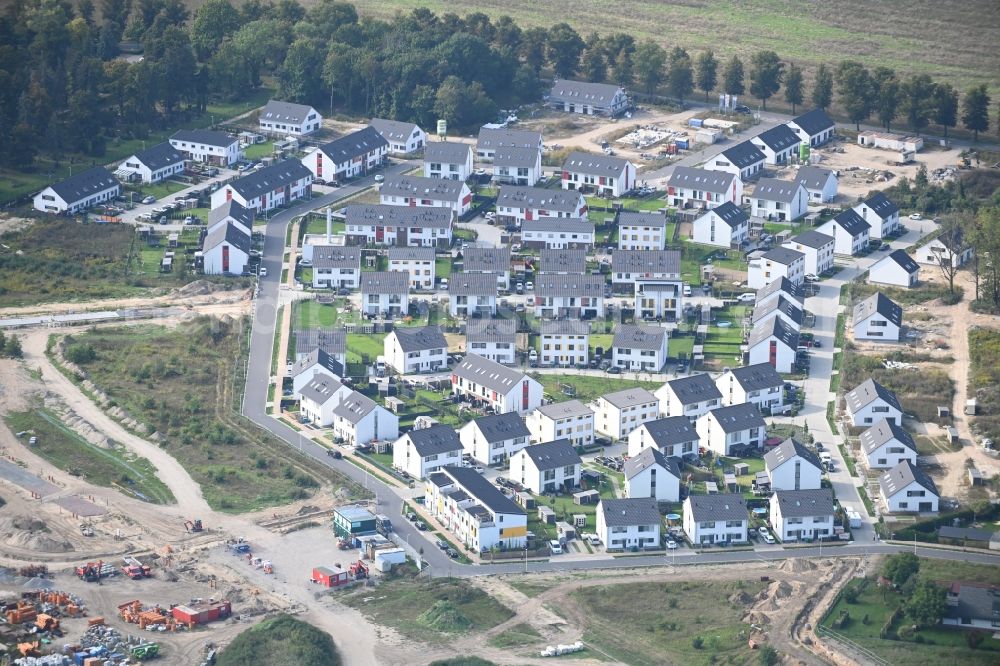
(563, 49)
(622, 69)
(822, 93)
(766, 73)
(732, 77)
(706, 68)
(680, 75)
(899, 567)
(945, 106)
(650, 65)
(952, 237)
(533, 47)
(213, 21)
(927, 605)
(592, 65)
(917, 94)
(856, 90)
(975, 110)
(12, 347)
(793, 86)
(887, 95)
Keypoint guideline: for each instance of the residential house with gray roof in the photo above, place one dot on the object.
(726, 226)
(288, 119)
(421, 452)
(319, 397)
(779, 144)
(776, 263)
(418, 262)
(712, 519)
(492, 139)
(562, 262)
(774, 342)
(603, 175)
(817, 248)
(792, 466)
(557, 234)
(359, 421)
(820, 183)
(569, 296)
(78, 192)
(869, 402)
(908, 489)
(316, 364)
(850, 232)
(877, 318)
(632, 523)
(448, 159)
(153, 164)
(744, 160)
(517, 165)
(492, 260)
(802, 514)
(349, 156)
(517, 204)
(639, 348)
(493, 439)
(564, 343)
(621, 412)
(420, 191)
(401, 226)
(790, 312)
(404, 138)
(570, 419)
(813, 127)
(495, 386)
(689, 396)
(414, 349)
(480, 516)
(492, 338)
(336, 266)
(759, 383)
(385, 293)
(549, 467)
(881, 214)
(886, 444)
(779, 200)
(691, 187)
(896, 269)
(472, 294)
(731, 430)
(673, 436)
(652, 475)
(589, 99)
(642, 230)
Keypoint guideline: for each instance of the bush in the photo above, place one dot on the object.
(768, 656)
(281, 641)
(697, 642)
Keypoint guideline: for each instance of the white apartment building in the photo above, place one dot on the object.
(409, 350)
(564, 343)
(621, 412)
(570, 420)
(492, 439)
(417, 262)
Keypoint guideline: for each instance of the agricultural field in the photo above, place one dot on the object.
(435, 610)
(678, 623)
(945, 40)
(180, 383)
(61, 260)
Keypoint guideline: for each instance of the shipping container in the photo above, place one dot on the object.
(331, 576)
(202, 612)
(696, 122)
(682, 144)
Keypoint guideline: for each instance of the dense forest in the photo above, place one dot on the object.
(69, 90)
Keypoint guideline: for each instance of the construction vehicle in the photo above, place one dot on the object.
(86, 531)
(193, 525)
(135, 569)
(359, 570)
(92, 572)
(344, 544)
(145, 651)
(268, 567)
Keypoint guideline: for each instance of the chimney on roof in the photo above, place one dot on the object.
(329, 226)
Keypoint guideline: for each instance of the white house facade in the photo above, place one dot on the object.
(897, 269)
(417, 262)
(570, 420)
(877, 318)
(421, 452)
(266, 189)
(639, 348)
(817, 249)
(385, 293)
(621, 412)
(779, 200)
(778, 262)
(652, 474)
(724, 226)
(603, 175)
(154, 164)
(410, 350)
(712, 519)
(870, 402)
(802, 514)
(80, 192)
(908, 489)
(207, 146)
(759, 384)
(288, 119)
(403, 138)
(494, 385)
(564, 343)
(850, 232)
(886, 445)
(642, 231)
(549, 467)
(492, 439)
(791, 466)
(448, 159)
(733, 429)
(674, 437)
(625, 524)
(690, 187)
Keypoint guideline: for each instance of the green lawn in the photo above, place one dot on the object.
(565, 508)
(602, 340)
(433, 610)
(310, 314)
(442, 267)
(364, 345)
(587, 387)
(647, 204)
(160, 190)
(680, 347)
(694, 256)
(259, 150)
(110, 467)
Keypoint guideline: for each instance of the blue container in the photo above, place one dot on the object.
(696, 122)
(682, 144)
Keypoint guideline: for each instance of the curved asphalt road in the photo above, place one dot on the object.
(255, 397)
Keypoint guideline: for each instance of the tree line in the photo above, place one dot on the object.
(69, 91)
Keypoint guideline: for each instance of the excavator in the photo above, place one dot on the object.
(193, 525)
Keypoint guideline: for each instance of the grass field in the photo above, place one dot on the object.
(588, 387)
(517, 636)
(432, 610)
(872, 607)
(945, 40)
(180, 382)
(665, 620)
(110, 467)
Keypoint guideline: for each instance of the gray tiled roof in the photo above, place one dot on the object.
(812, 239)
(735, 418)
(867, 392)
(331, 341)
(642, 219)
(231, 209)
(270, 178)
(695, 388)
(434, 440)
(646, 261)
(385, 282)
(472, 284)
(500, 427)
(419, 187)
(569, 225)
(317, 357)
(516, 157)
(205, 137)
(563, 261)
(647, 458)
(228, 233)
(903, 475)
(336, 256)
(398, 216)
(447, 152)
(791, 309)
(476, 485)
(356, 144)
(783, 255)
(778, 328)
(494, 138)
(85, 184)
(788, 449)
(159, 156)
(420, 338)
(285, 112)
(881, 304)
(804, 503)
(565, 409)
(851, 222)
(779, 137)
(355, 407)
(772, 189)
(631, 511)
(552, 455)
(320, 389)
(649, 338)
(718, 182)
(411, 254)
(564, 327)
(904, 260)
(594, 165)
(725, 506)
(488, 259)
(758, 376)
(813, 177)
(599, 94)
(783, 285)
(671, 430)
(521, 197)
(491, 330)
(884, 431)
(553, 285)
(489, 374)
(814, 122)
(629, 397)
(882, 206)
(395, 130)
(744, 154)
(730, 213)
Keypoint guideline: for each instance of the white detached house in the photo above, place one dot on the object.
(821, 184)
(603, 175)
(621, 412)
(877, 318)
(417, 349)
(759, 384)
(421, 452)
(869, 402)
(780, 144)
(674, 437)
(817, 248)
(908, 489)
(778, 262)
(153, 164)
(496, 386)
(495, 438)
(448, 159)
(881, 214)
(791, 466)
(780, 200)
(403, 138)
(731, 430)
(628, 523)
(744, 160)
(814, 127)
(288, 119)
(773, 342)
(886, 445)
(724, 226)
(652, 474)
(688, 396)
(897, 269)
(802, 514)
(80, 192)
(712, 519)
(359, 421)
(850, 232)
(550, 467)
(689, 187)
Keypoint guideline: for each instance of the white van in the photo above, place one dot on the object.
(687, 290)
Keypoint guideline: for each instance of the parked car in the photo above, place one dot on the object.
(769, 539)
(883, 247)
(614, 370)
(533, 355)
(263, 271)
(742, 108)
(671, 544)
(762, 531)
(812, 277)
(555, 547)
(687, 290)
(916, 216)
(379, 178)
(452, 553)
(529, 285)
(442, 544)
(410, 516)
(748, 297)
(420, 525)
(149, 200)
